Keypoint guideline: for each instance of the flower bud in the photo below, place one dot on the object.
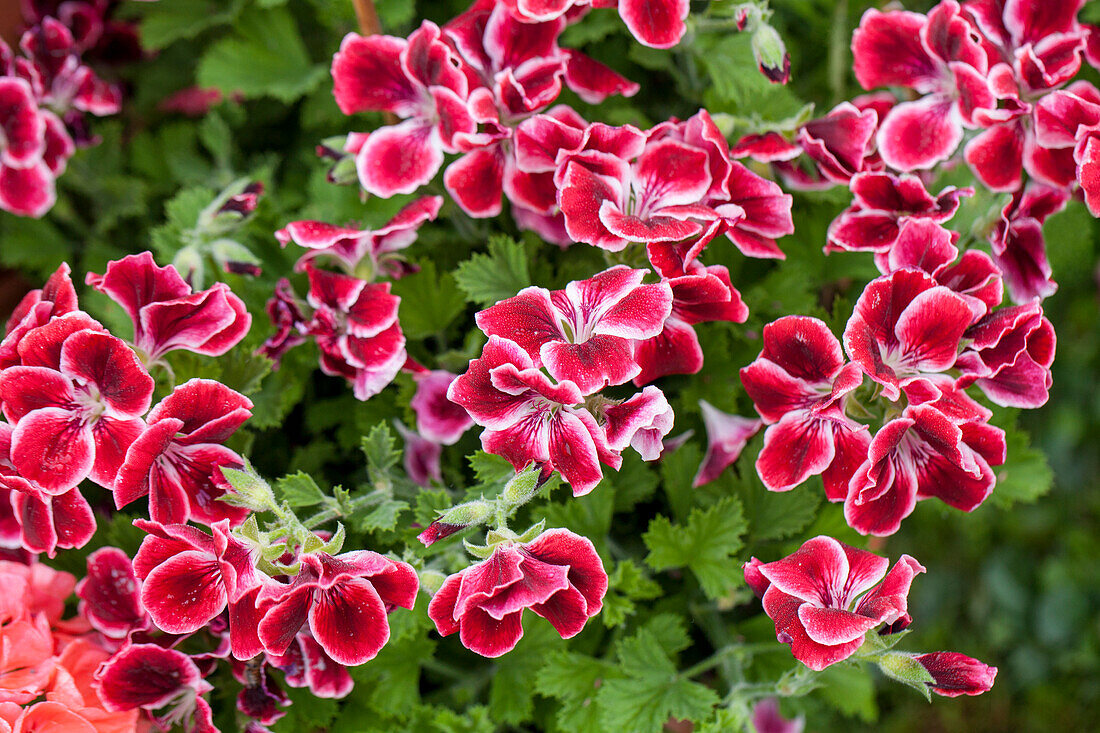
(955, 674)
(521, 487)
(456, 519)
(249, 490)
(905, 669)
(771, 55)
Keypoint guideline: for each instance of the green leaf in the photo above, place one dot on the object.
(849, 689)
(652, 690)
(574, 679)
(628, 583)
(706, 544)
(429, 301)
(165, 23)
(1025, 475)
(677, 470)
(511, 695)
(378, 517)
(380, 448)
(500, 274)
(299, 489)
(490, 469)
(267, 58)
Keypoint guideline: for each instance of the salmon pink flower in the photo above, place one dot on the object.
(176, 460)
(343, 599)
(826, 596)
(528, 418)
(558, 575)
(582, 333)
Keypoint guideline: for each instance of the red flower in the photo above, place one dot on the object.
(1009, 356)
(176, 460)
(344, 599)
(110, 594)
(558, 575)
(824, 598)
(26, 181)
(726, 438)
(529, 418)
(583, 333)
(438, 419)
(798, 384)
(166, 314)
(306, 664)
(151, 677)
(1018, 245)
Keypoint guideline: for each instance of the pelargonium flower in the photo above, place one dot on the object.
(343, 599)
(189, 577)
(1009, 356)
(422, 456)
(26, 181)
(418, 80)
(904, 326)
(923, 453)
(63, 82)
(766, 718)
(166, 314)
(305, 664)
(882, 203)
(956, 674)
(438, 418)
(285, 312)
(176, 459)
(1018, 245)
(701, 295)
(924, 245)
(840, 142)
(653, 23)
(356, 328)
(642, 422)
(260, 697)
(726, 438)
(58, 295)
(362, 251)
(110, 594)
(935, 55)
(583, 333)
(150, 677)
(826, 596)
(558, 575)
(528, 418)
(76, 421)
(798, 384)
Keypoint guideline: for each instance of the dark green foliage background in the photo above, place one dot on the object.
(1015, 584)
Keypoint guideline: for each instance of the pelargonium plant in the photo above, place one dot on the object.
(604, 320)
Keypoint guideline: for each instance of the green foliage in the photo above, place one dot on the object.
(487, 278)
(707, 543)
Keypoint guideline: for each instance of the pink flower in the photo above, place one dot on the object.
(840, 142)
(766, 718)
(726, 438)
(528, 418)
(882, 204)
(26, 181)
(188, 577)
(923, 454)
(936, 55)
(110, 594)
(285, 312)
(826, 596)
(905, 326)
(422, 456)
(957, 674)
(166, 314)
(642, 422)
(1018, 245)
(654, 23)
(344, 599)
(176, 460)
(583, 333)
(798, 384)
(77, 420)
(1009, 356)
(356, 251)
(151, 677)
(558, 575)
(419, 80)
(356, 328)
(306, 664)
(438, 419)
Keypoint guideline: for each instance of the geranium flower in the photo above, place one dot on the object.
(1009, 355)
(558, 575)
(826, 596)
(641, 422)
(922, 454)
(797, 384)
(1019, 248)
(583, 333)
(654, 23)
(77, 421)
(840, 142)
(188, 577)
(305, 664)
(438, 419)
(905, 326)
(151, 677)
(26, 182)
(936, 55)
(528, 418)
(344, 599)
(110, 594)
(166, 314)
(726, 438)
(418, 80)
(176, 460)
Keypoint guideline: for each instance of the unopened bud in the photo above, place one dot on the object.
(771, 54)
(521, 487)
(455, 519)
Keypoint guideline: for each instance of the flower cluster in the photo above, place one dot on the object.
(827, 598)
(76, 400)
(46, 92)
(351, 316)
(922, 333)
